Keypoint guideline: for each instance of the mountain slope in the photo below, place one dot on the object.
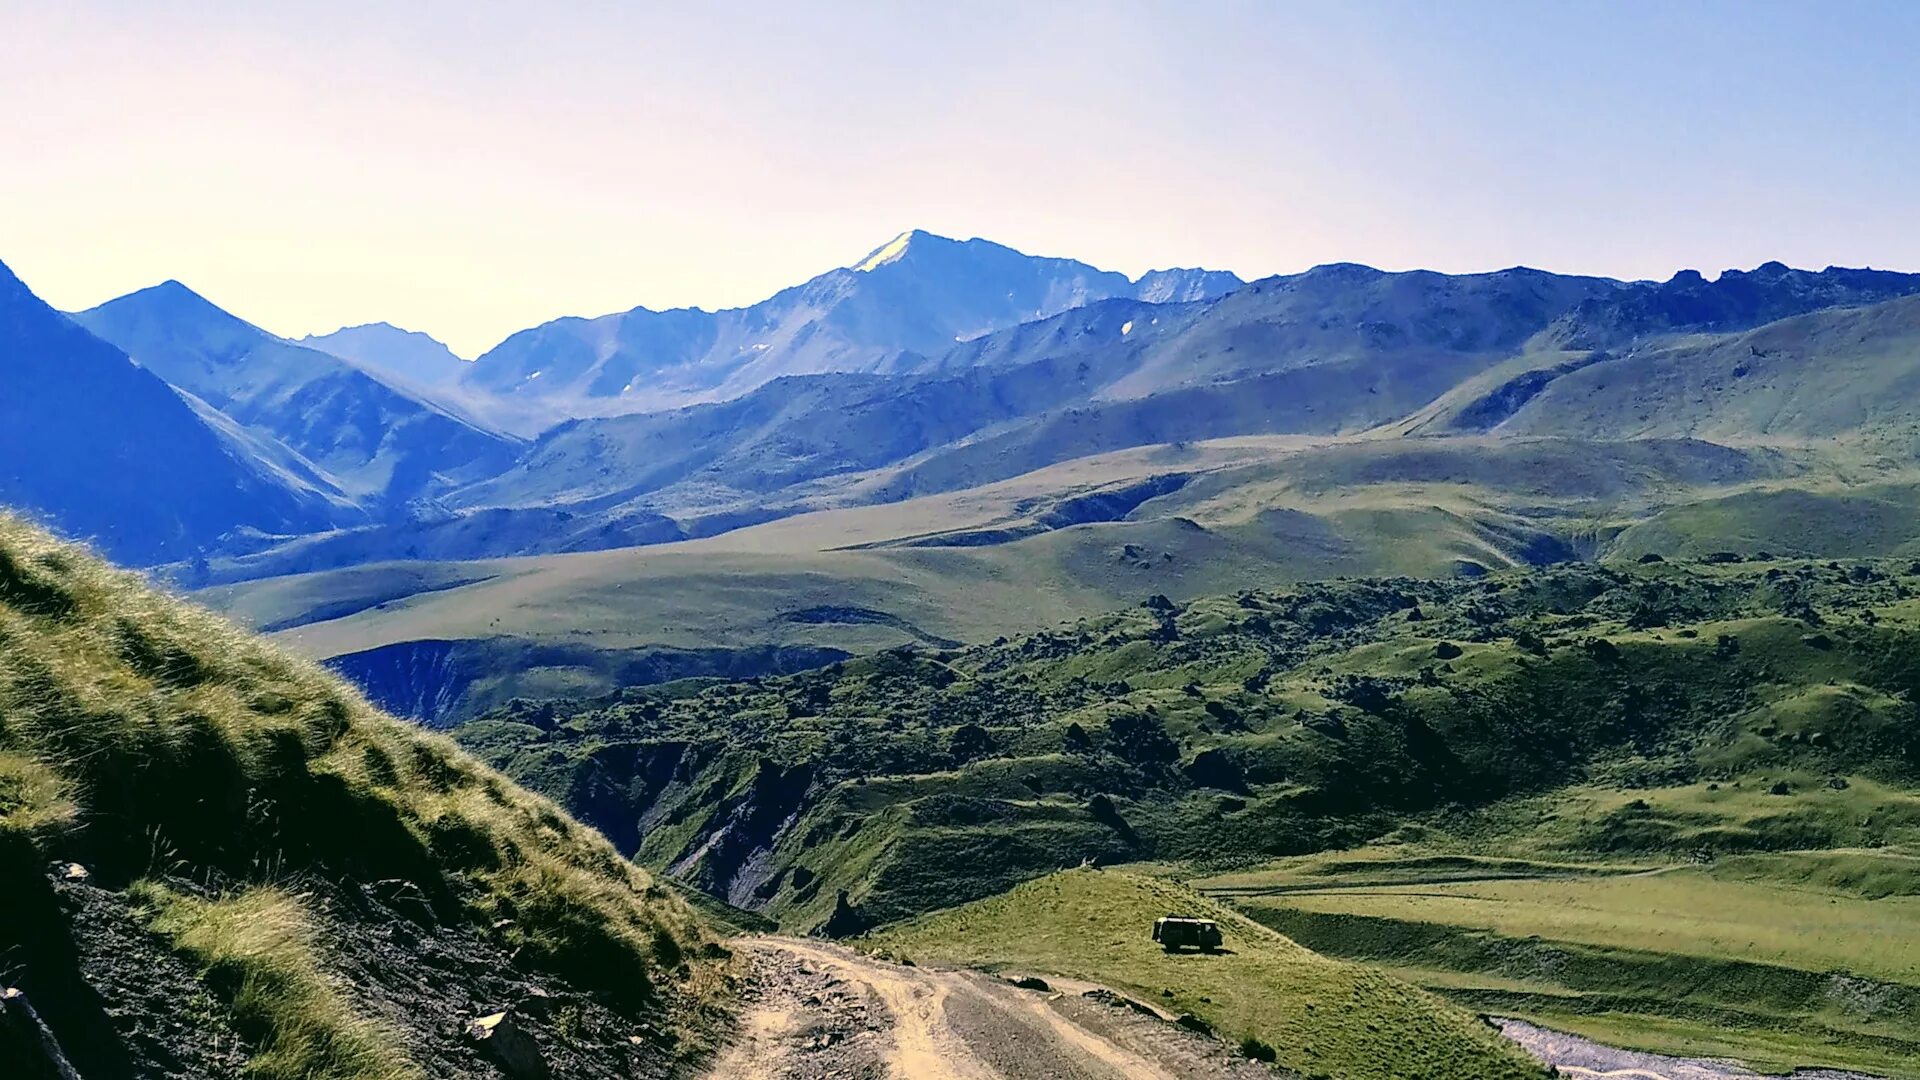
(106, 451)
(255, 873)
(917, 294)
(1736, 300)
(1841, 371)
(377, 442)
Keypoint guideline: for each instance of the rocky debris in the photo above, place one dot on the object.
(503, 1039)
(804, 1021)
(430, 979)
(424, 979)
(155, 1017)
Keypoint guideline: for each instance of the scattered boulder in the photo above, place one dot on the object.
(1447, 650)
(1780, 788)
(1258, 1051)
(1031, 982)
(1194, 1023)
(846, 920)
(73, 873)
(507, 1043)
(1216, 768)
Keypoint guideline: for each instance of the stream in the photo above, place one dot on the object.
(1585, 1059)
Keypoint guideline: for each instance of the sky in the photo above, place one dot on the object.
(473, 168)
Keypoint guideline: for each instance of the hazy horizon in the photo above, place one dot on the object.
(470, 170)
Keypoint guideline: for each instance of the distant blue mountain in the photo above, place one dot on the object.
(378, 442)
(105, 451)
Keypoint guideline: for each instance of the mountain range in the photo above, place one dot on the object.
(929, 367)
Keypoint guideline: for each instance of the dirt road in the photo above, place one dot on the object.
(819, 1011)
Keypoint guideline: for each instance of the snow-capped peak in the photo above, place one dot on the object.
(885, 253)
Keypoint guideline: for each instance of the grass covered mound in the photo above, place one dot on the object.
(252, 816)
(1320, 1017)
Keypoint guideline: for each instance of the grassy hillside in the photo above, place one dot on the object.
(255, 873)
(1320, 1017)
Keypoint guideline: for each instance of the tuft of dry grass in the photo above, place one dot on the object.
(258, 949)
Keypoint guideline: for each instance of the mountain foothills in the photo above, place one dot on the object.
(1667, 805)
(217, 860)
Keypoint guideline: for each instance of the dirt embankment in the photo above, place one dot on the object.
(821, 1011)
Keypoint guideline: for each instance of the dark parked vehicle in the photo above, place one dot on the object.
(1176, 932)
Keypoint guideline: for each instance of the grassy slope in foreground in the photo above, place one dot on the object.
(251, 812)
(1322, 1017)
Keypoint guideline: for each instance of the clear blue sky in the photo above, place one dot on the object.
(471, 168)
